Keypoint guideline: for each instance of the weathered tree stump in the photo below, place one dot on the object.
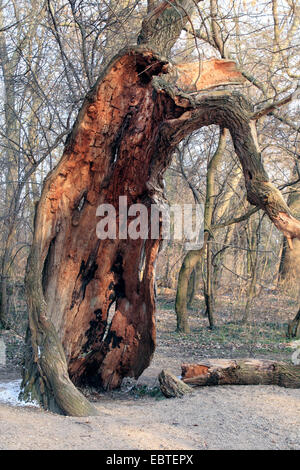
(171, 386)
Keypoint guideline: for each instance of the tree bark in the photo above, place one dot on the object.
(252, 262)
(208, 288)
(194, 283)
(194, 257)
(191, 259)
(289, 269)
(294, 327)
(121, 144)
(104, 157)
(241, 372)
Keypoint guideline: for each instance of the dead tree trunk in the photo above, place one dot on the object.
(241, 372)
(229, 372)
(72, 276)
(121, 144)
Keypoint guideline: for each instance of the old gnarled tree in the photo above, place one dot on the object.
(122, 142)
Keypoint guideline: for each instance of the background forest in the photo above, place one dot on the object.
(244, 284)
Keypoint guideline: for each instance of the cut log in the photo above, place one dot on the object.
(241, 372)
(171, 386)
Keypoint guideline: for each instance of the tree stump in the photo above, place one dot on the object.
(171, 386)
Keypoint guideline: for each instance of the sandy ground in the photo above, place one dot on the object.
(228, 417)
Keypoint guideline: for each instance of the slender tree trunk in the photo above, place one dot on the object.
(252, 266)
(194, 283)
(294, 327)
(208, 290)
(289, 269)
(250, 295)
(190, 261)
(222, 211)
(191, 288)
(219, 258)
(8, 68)
(4, 302)
(5, 263)
(192, 258)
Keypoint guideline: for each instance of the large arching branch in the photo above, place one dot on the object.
(231, 110)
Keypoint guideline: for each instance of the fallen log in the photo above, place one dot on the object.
(241, 372)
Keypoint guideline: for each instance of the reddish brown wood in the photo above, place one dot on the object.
(241, 372)
(109, 154)
(208, 74)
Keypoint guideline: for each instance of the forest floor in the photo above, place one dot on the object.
(139, 417)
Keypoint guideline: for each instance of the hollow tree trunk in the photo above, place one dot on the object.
(120, 145)
(72, 276)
